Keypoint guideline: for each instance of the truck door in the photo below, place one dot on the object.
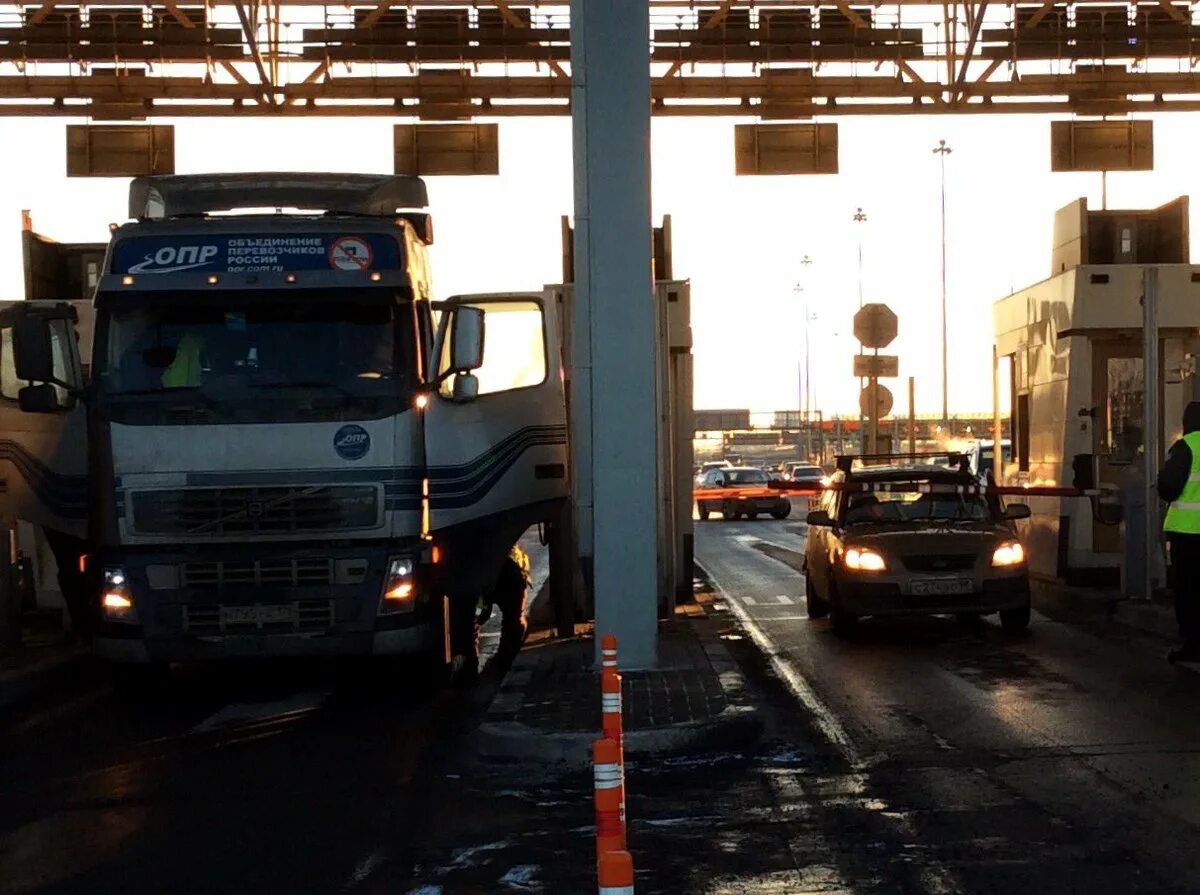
(43, 454)
(59, 270)
(498, 456)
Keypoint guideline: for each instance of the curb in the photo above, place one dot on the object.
(23, 683)
(738, 725)
(1071, 604)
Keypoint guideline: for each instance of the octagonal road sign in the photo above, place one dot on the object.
(875, 325)
(883, 401)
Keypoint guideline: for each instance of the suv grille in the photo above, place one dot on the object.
(306, 616)
(257, 573)
(939, 562)
(248, 511)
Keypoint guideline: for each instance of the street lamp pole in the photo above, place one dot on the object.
(806, 394)
(860, 217)
(942, 150)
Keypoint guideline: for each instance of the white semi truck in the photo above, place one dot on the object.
(261, 436)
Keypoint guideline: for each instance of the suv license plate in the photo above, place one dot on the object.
(258, 615)
(941, 587)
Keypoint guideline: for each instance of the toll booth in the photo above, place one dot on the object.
(674, 376)
(1069, 350)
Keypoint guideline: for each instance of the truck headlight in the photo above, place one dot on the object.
(860, 559)
(399, 589)
(1010, 553)
(116, 599)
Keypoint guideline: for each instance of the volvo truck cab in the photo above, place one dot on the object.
(262, 436)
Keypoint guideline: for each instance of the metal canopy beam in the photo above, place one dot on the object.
(734, 61)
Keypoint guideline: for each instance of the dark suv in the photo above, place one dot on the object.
(907, 538)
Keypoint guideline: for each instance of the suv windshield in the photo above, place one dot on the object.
(746, 477)
(911, 506)
(250, 345)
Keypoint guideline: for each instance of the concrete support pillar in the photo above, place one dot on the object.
(615, 320)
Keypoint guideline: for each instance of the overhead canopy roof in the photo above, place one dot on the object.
(158, 197)
(454, 60)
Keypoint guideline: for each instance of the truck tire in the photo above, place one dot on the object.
(783, 510)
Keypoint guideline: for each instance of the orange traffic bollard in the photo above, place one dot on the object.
(610, 710)
(609, 796)
(616, 873)
(608, 652)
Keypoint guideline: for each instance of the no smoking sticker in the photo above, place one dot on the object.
(350, 253)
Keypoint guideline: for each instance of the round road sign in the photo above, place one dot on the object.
(875, 325)
(883, 401)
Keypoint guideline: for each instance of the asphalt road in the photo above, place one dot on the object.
(954, 758)
(256, 777)
(923, 757)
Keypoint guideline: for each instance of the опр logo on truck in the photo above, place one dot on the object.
(352, 442)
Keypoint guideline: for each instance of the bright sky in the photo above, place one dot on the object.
(739, 240)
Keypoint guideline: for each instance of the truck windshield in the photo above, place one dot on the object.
(250, 346)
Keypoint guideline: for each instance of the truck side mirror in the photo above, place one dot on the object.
(1017, 511)
(466, 388)
(41, 398)
(33, 350)
(466, 340)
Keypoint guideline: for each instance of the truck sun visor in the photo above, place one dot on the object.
(172, 196)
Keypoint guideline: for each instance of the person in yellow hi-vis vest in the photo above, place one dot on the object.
(184, 371)
(1179, 483)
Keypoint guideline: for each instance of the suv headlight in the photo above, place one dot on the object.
(860, 559)
(1010, 553)
(116, 599)
(399, 589)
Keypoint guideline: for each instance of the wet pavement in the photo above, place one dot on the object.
(925, 757)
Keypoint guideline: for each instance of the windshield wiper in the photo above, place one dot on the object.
(188, 395)
(351, 397)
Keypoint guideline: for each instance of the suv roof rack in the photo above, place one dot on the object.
(162, 197)
(954, 458)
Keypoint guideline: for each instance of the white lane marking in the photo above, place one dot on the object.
(783, 600)
(823, 716)
(242, 713)
(785, 618)
(746, 539)
(750, 601)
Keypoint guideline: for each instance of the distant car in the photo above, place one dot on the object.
(709, 466)
(803, 473)
(918, 547)
(778, 505)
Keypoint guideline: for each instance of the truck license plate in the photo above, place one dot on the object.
(258, 615)
(942, 587)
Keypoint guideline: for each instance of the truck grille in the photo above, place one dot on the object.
(257, 573)
(939, 562)
(249, 511)
(304, 616)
